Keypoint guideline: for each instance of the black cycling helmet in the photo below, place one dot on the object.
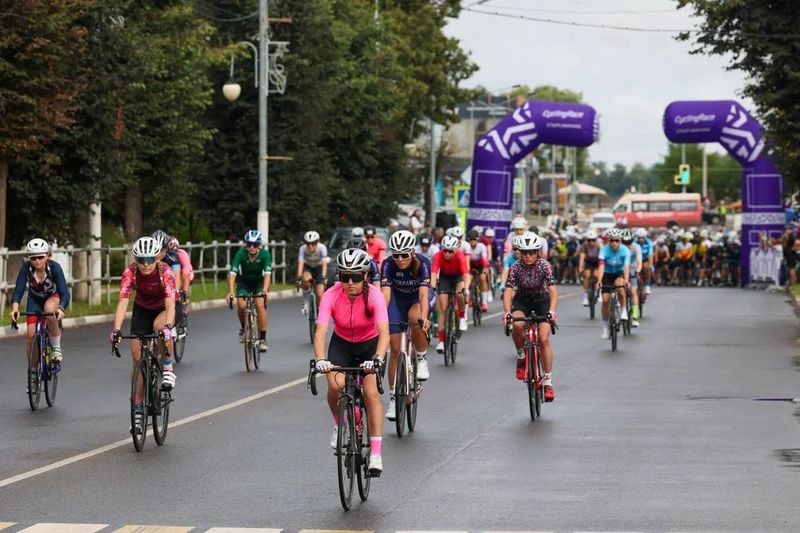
(426, 239)
(358, 243)
(534, 228)
(473, 235)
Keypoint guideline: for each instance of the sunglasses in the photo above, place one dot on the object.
(448, 251)
(348, 277)
(253, 245)
(613, 240)
(37, 258)
(145, 260)
(401, 256)
(527, 252)
(370, 236)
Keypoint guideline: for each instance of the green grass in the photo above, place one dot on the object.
(795, 290)
(199, 294)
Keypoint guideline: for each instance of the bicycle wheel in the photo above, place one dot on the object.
(255, 346)
(139, 379)
(476, 306)
(180, 342)
(530, 383)
(312, 314)
(539, 378)
(34, 374)
(345, 455)
(592, 299)
(413, 387)
(51, 384)
(612, 328)
(362, 473)
(448, 332)
(400, 394)
(248, 342)
(455, 333)
(159, 405)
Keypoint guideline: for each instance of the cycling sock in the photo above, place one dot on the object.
(55, 341)
(547, 379)
(262, 335)
(635, 311)
(375, 445)
(138, 401)
(168, 366)
(462, 313)
(485, 296)
(336, 419)
(520, 354)
(440, 334)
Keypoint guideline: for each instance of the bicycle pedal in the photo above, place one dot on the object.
(374, 473)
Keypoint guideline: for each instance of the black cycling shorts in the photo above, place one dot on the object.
(538, 305)
(346, 353)
(448, 283)
(609, 281)
(316, 273)
(142, 320)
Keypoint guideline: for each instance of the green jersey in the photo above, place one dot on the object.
(248, 270)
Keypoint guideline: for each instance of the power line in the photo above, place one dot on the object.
(579, 12)
(578, 24)
(205, 11)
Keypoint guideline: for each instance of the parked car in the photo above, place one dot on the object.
(339, 239)
(601, 221)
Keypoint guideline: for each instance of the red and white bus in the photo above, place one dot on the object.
(659, 209)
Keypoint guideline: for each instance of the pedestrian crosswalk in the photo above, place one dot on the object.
(48, 527)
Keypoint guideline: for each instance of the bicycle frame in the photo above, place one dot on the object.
(534, 374)
(406, 386)
(451, 329)
(252, 355)
(45, 371)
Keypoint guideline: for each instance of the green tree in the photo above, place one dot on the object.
(40, 46)
(761, 39)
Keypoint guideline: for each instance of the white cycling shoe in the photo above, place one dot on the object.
(422, 369)
(375, 465)
(647, 289)
(606, 333)
(623, 315)
(168, 380)
(390, 414)
(586, 300)
(440, 347)
(462, 323)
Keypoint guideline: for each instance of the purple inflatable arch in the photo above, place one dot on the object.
(727, 122)
(495, 154)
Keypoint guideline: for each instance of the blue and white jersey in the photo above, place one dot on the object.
(403, 282)
(615, 261)
(509, 260)
(646, 246)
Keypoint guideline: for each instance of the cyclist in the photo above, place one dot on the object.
(360, 338)
(153, 309)
(588, 261)
(447, 274)
(185, 260)
(170, 258)
(701, 244)
(374, 273)
(573, 258)
(47, 293)
(518, 226)
(684, 255)
(531, 287)
(635, 270)
(251, 269)
(662, 260)
(312, 266)
(509, 260)
(614, 271)
(376, 247)
(648, 251)
(465, 249)
(405, 283)
(426, 246)
(479, 263)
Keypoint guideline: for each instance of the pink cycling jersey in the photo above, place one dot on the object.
(150, 290)
(186, 263)
(350, 321)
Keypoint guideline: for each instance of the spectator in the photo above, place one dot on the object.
(414, 223)
(789, 254)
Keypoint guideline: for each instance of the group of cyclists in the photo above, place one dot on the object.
(374, 297)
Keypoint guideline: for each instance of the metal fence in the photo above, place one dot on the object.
(102, 267)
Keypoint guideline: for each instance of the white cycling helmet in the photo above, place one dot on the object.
(688, 236)
(311, 236)
(456, 232)
(704, 233)
(450, 243)
(519, 223)
(641, 233)
(161, 237)
(488, 232)
(253, 236)
(614, 233)
(402, 241)
(37, 246)
(356, 232)
(352, 260)
(529, 241)
(146, 247)
(591, 235)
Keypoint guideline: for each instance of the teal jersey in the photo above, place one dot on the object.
(248, 270)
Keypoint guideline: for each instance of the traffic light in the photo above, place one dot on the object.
(685, 174)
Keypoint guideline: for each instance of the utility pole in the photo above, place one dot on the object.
(705, 172)
(430, 216)
(553, 184)
(263, 91)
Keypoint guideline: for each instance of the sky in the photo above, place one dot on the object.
(628, 77)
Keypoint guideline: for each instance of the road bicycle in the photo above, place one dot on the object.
(42, 369)
(451, 330)
(181, 327)
(592, 294)
(252, 353)
(147, 378)
(534, 375)
(311, 310)
(475, 298)
(352, 444)
(613, 316)
(407, 388)
(642, 288)
(626, 324)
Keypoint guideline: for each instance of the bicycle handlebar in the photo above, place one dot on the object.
(40, 314)
(140, 337)
(532, 319)
(230, 300)
(312, 372)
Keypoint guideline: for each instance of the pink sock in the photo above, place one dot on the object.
(375, 445)
(462, 314)
(336, 419)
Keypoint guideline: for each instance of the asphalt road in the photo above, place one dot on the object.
(663, 435)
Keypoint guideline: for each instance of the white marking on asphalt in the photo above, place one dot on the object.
(108, 447)
(153, 529)
(64, 528)
(4, 525)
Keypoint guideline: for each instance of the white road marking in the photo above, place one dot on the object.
(153, 529)
(108, 447)
(242, 530)
(64, 528)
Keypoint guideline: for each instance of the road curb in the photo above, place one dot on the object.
(92, 320)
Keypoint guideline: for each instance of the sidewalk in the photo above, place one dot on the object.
(91, 320)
